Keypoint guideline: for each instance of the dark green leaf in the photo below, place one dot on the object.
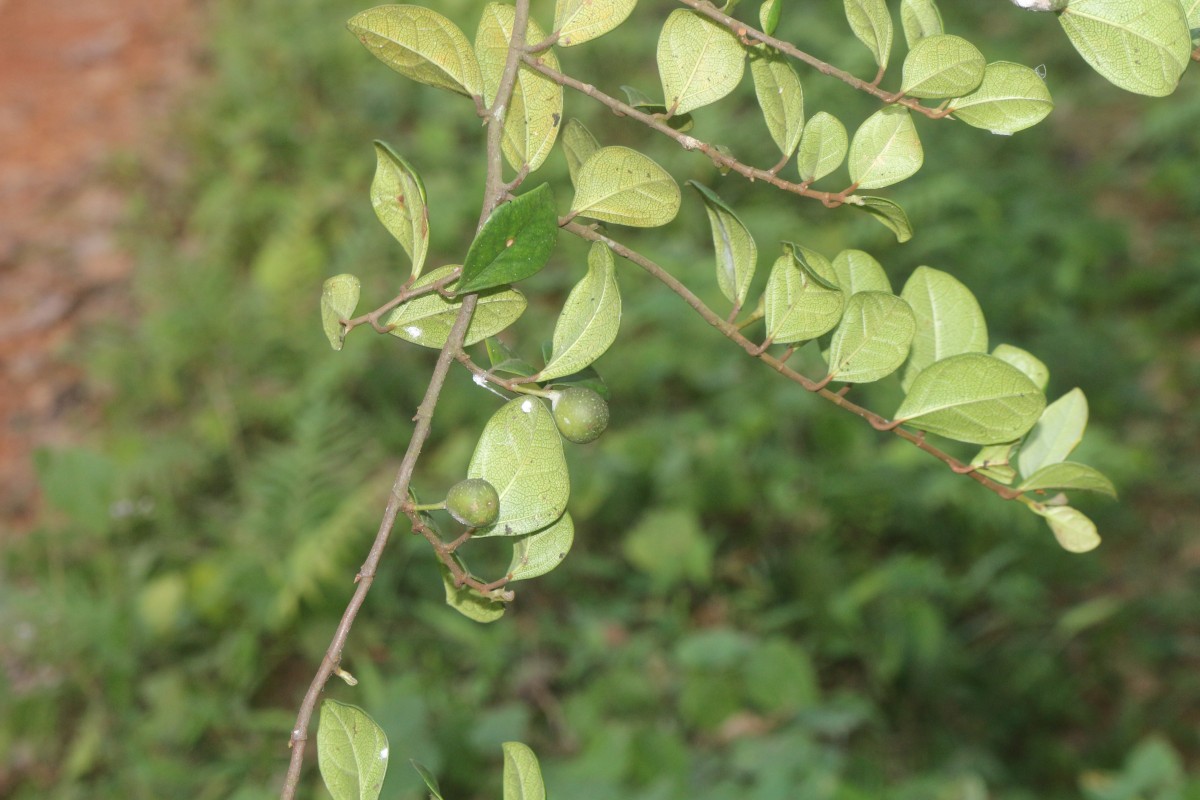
(515, 242)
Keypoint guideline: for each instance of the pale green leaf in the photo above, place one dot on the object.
(823, 144)
(427, 320)
(1025, 361)
(468, 601)
(398, 197)
(1056, 434)
(736, 252)
(532, 119)
(949, 321)
(339, 298)
(781, 98)
(578, 21)
(815, 263)
(873, 338)
(522, 775)
(994, 461)
(590, 318)
(1011, 98)
(1192, 9)
(520, 453)
(1074, 531)
(352, 752)
(420, 44)
(537, 553)
(699, 61)
(885, 149)
(435, 791)
(885, 212)
(1068, 475)
(1142, 46)
(920, 18)
(858, 271)
(942, 66)
(872, 24)
(620, 185)
(768, 16)
(578, 146)
(973, 398)
(799, 307)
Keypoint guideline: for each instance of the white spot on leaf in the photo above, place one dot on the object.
(413, 330)
(527, 405)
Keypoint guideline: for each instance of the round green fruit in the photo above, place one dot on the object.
(473, 502)
(580, 414)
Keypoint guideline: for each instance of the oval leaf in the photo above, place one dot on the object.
(431, 782)
(623, 186)
(1074, 532)
(1141, 46)
(887, 213)
(522, 775)
(578, 146)
(885, 149)
(502, 359)
(590, 318)
(419, 44)
(537, 553)
(768, 16)
(398, 197)
(699, 61)
(823, 144)
(1025, 361)
(873, 338)
(949, 321)
(514, 243)
(973, 398)
(858, 271)
(942, 66)
(799, 307)
(737, 254)
(578, 21)
(781, 98)
(1056, 434)
(339, 298)
(521, 454)
(920, 18)
(352, 752)
(1068, 475)
(468, 601)
(872, 24)
(427, 320)
(1011, 98)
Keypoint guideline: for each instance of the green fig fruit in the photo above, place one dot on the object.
(473, 502)
(580, 414)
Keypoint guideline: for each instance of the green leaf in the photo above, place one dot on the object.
(798, 306)
(352, 752)
(467, 601)
(699, 61)
(920, 18)
(768, 16)
(737, 254)
(522, 775)
(886, 212)
(781, 98)
(427, 320)
(1025, 361)
(949, 321)
(1068, 475)
(857, 271)
(503, 359)
(994, 462)
(520, 453)
(537, 553)
(339, 298)
(1056, 434)
(873, 338)
(532, 119)
(1011, 98)
(623, 186)
(578, 146)
(639, 100)
(514, 243)
(578, 21)
(590, 317)
(398, 197)
(885, 149)
(1142, 46)
(817, 265)
(1074, 532)
(431, 781)
(872, 24)
(419, 44)
(942, 66)
(973, 398)
(823, 144)
(1192, 9)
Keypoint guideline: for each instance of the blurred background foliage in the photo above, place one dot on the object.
(766, 599)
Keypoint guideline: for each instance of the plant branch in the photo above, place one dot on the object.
(734, 334)
(406, 294)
